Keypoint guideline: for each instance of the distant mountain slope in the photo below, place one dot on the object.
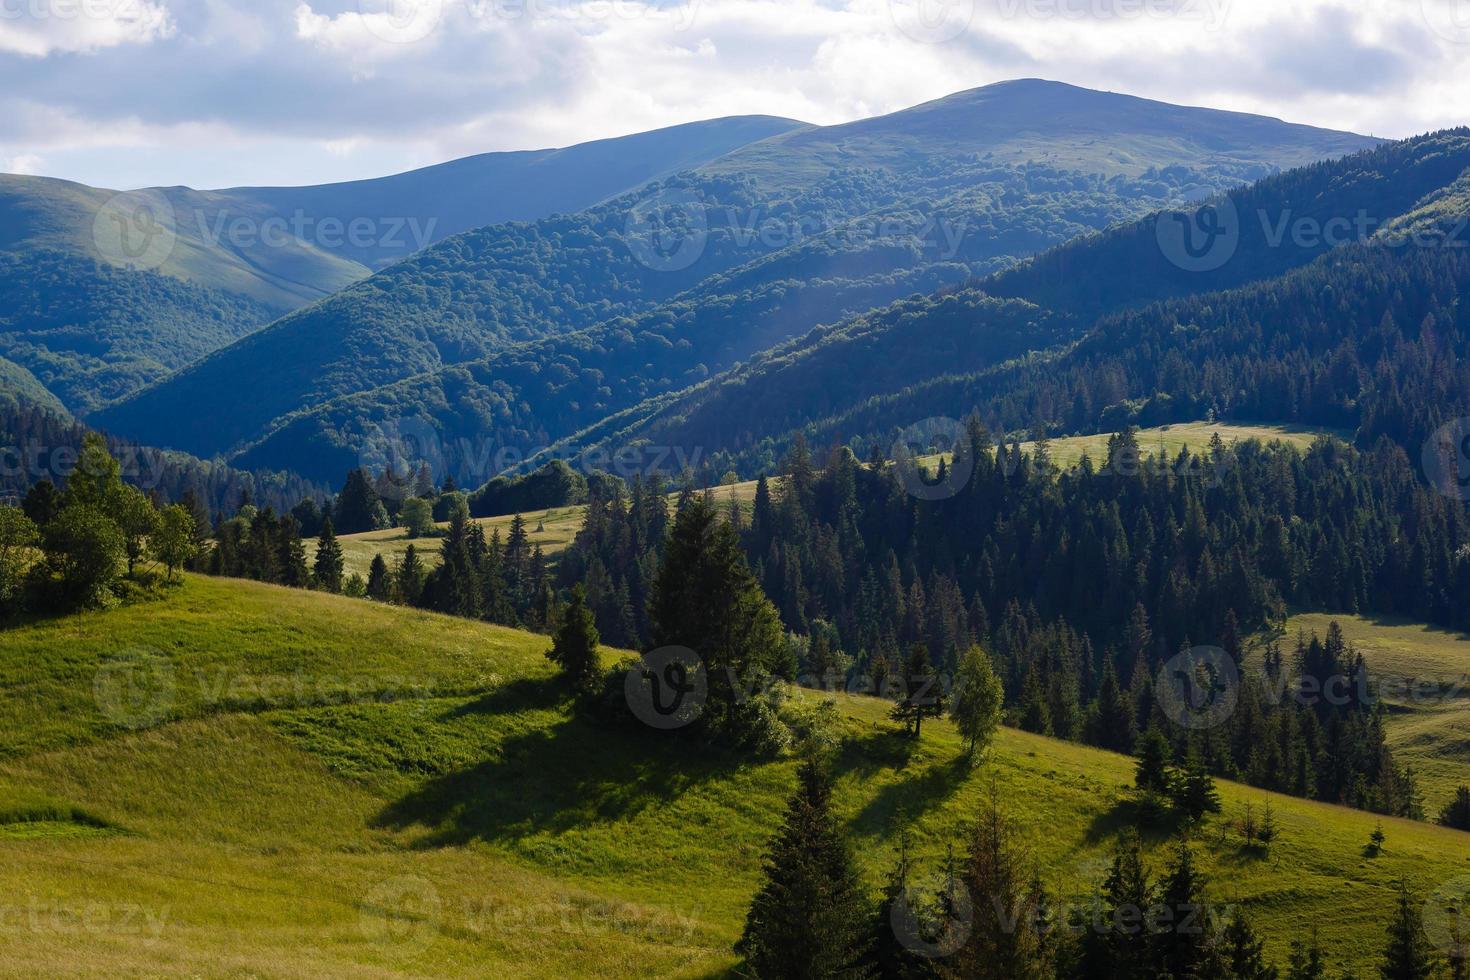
(1252, 351)
(20, 387)
(247, 255)
(788, 215)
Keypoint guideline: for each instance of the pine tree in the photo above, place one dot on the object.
(1243, 951)
(1184, 938)
(705, 599)
(1194, 789)
(379, 587)
(1307, 961)
(1456, 813)
(891, 958)
(410, 575)
(1151, 773)
(1007, 938)
(1409, 954)
(328, 568)
(1113, 724)
(923, 697)
(1117, 944)
(809, 919)
(575, 648)
(291, 553)
(356, 504)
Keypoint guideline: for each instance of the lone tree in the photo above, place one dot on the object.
(174, 542)
(923, 697)
(328, 569)
(809, 918)
(706, 600)
(1151, 773)
(978, 700)
(1409, 954)
(575, 648)
(379, 583)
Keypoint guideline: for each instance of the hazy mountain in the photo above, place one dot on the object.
(794, 231)
(233, 260)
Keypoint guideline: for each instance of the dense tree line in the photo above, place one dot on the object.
(37, 446)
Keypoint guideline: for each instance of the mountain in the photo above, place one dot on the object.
(141, 283)
(525, 333)
(1289, 328)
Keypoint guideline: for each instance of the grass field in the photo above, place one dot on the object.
(552, 529)
(242, 780)
(1427, 671)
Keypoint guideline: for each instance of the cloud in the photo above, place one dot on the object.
(299, 90)
(38, 28)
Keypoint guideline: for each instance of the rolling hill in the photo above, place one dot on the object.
(207, 267)
(788, 234)
(305, 784)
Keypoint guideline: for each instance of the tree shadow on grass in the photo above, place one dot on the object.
(1153, 825)
(521, 694)
(915, 794)
(573, 775)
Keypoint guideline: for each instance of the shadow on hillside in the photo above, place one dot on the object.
(915, 793)
(552, 780)
(521, 694)
(1130, 814)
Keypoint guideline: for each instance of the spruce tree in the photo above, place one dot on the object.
(923, 697)
(356, 509)
(1007, 938)
(1118, 943)
(1307, 961)
(1243, 951)
(1194, 789)
(410, 575)
(575, 648)
(1409, 954)
(379, 585)
(1456, 813)
(1184, 936)
(327, 571)
(1151, 773)
(809, 918)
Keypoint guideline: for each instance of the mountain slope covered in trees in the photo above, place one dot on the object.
(100, 323)
(1254, 333)
(801, 232)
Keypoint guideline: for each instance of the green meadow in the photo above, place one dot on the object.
(243, 780)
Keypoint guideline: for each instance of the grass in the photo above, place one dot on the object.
(470, 825)
(1426, 673)
(552, 529)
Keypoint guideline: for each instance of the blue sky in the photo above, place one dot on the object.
(212, 93)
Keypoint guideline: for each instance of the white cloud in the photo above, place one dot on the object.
(406, 82)
(37, 28)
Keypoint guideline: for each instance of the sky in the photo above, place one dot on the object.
(217, 93)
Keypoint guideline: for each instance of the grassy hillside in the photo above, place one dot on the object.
(467, 825)
(1426, 676)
